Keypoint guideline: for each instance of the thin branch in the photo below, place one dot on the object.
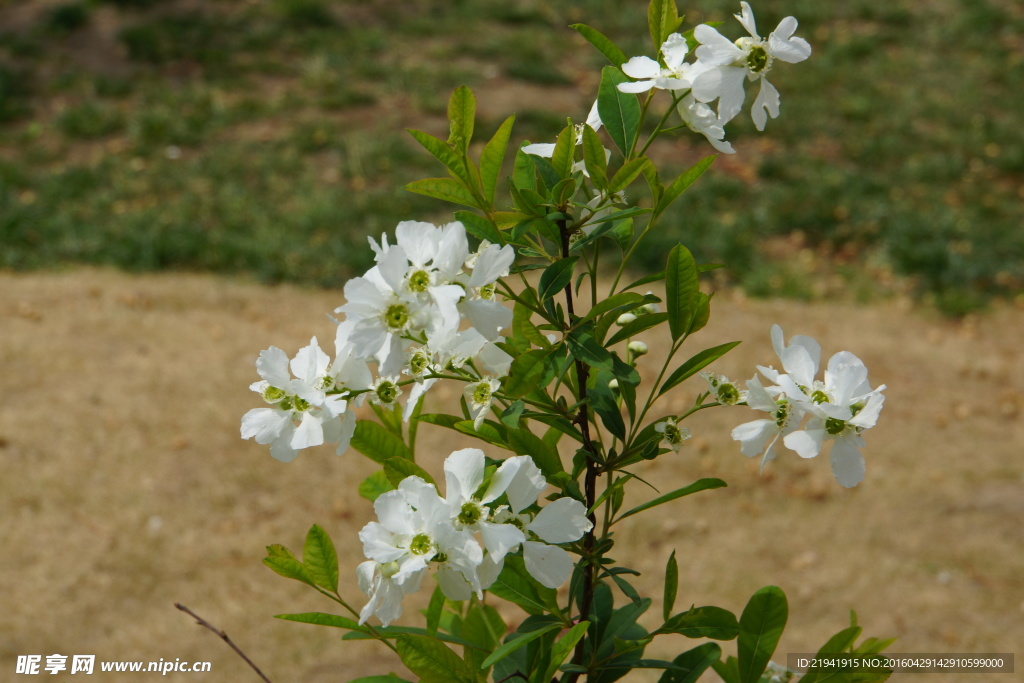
(223, 636)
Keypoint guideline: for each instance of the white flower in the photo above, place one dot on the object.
(651, 74)
(700, 118)
(479, 396)
(841, 409)
(673, 435)
(723, 389)
(303, 398)
(375, 579)
(748, 58)
(760, 436)
(385, 391)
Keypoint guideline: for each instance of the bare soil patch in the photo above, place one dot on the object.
(127, 487)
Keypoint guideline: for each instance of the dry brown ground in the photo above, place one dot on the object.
(126, 486)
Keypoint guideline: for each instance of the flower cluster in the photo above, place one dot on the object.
(403, 325)
(718, 73)
(466, 535)
(837, 409)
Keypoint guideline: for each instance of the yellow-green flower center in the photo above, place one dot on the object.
(758, 59)
(819, 396)
(421, 544)
(728, 394)
(387, 392)
(419, 281)
(396, 317)
(482, 393)
(834, 426)
(273, 394)
(470, 514)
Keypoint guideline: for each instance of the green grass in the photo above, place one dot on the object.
(266, 138)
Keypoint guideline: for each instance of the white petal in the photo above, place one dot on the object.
(463, 475)
(488, 317)
(674, 50)
(500, 539)
(491, 264)
(847, 463)
(525, 486)
(806, 443)
(453, 584)
(753, 436)
(540, 149)
(715, 49)
(378, 543)
(561, 521)
(452, 252)
(272, 365)
(641, 67)
(310, 432)
(419, 240)
(392, 268)
(783, 46)
(549, 564)
(746, 18)
(345, 431)
(767, 101)
(266, 424)
(494, 361)
(868, 415)
(635, 87)
(394, 513)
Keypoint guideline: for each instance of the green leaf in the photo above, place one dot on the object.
(524, 172)
(492, 157)
(695, 364)
(485, 627)
(662, 21)
(510, 416)
(703, 622)
(602, 43)
(692, 663)
(374, 485)
(524, 442)
(387, 678)
(517, 642)
(680, 289)
(680, 184)
(563, 647)
(434, 609)
(695, 487)
(444, 153)
(627, 174)
(461, 117)
(641, 324)
(397, 469)
(562, 157)
(761, 626)
(432, 661)
(556, 276)
(479, 227)
(516, 585)
(281, 560)
(602, 400)
(320, 558)
(619, 111)
(445, 189)
(701, 312)
(377, 443)
(671, 586)
(323, 619)
(626, 300)
(525, 374)
(594, 158)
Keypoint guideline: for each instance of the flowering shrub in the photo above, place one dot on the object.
(548, 368)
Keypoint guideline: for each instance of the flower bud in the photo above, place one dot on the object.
(625, 319)
(638, 348)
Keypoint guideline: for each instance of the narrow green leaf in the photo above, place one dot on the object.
(701, 312)
(510, 416)
(397, 469)
(595, 159)
(516, 585)
(671, 586)
(680, 184)
(485, 627)
(695, 487)
(619, 111)
(461, 117)
(602, 400)
(525, 374)
(492, 157)
(434, 609)
(377, 443)
(646, 280)
(695, 364)
(628, 300)
(323, 619)
(662, 21)
(703, 622)
(386, 678)
(556, 276)
(445, 189)
(517, 642)
(602, 43)
(761, 626)
(641, 324)
(320, 558)
(680, 289)
(627, 174)
(692, 663)
(444, 153)
(563, 647)
(479, 226)
(287, 566)
(432, 661)
(562, 157)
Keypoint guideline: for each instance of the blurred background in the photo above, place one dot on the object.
(266, 137)
(232, 155)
